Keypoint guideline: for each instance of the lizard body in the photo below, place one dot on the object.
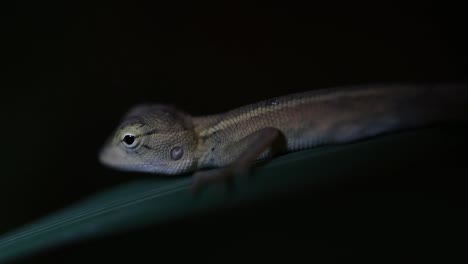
(162, 139)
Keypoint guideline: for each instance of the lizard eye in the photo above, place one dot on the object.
(130, 141)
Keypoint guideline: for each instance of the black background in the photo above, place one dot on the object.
(71, 69)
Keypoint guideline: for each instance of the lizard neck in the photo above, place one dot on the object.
(205, 144)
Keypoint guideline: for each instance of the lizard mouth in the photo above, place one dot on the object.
(108, 157)
(114, 158)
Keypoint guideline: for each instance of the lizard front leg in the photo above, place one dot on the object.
(249, 149)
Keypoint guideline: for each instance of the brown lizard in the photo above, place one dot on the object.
(162, 139)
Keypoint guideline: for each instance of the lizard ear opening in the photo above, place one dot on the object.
(177, 153)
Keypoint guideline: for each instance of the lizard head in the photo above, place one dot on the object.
(153, 139)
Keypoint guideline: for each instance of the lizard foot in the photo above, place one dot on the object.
(222, 176)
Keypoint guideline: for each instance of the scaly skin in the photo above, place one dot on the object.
(170, 141)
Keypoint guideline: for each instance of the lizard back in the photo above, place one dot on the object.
(339, 115)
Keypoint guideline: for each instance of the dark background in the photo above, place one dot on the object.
(71, 69)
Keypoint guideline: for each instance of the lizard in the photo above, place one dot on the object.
(163, 139)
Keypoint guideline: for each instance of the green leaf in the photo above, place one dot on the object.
(146, 202)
